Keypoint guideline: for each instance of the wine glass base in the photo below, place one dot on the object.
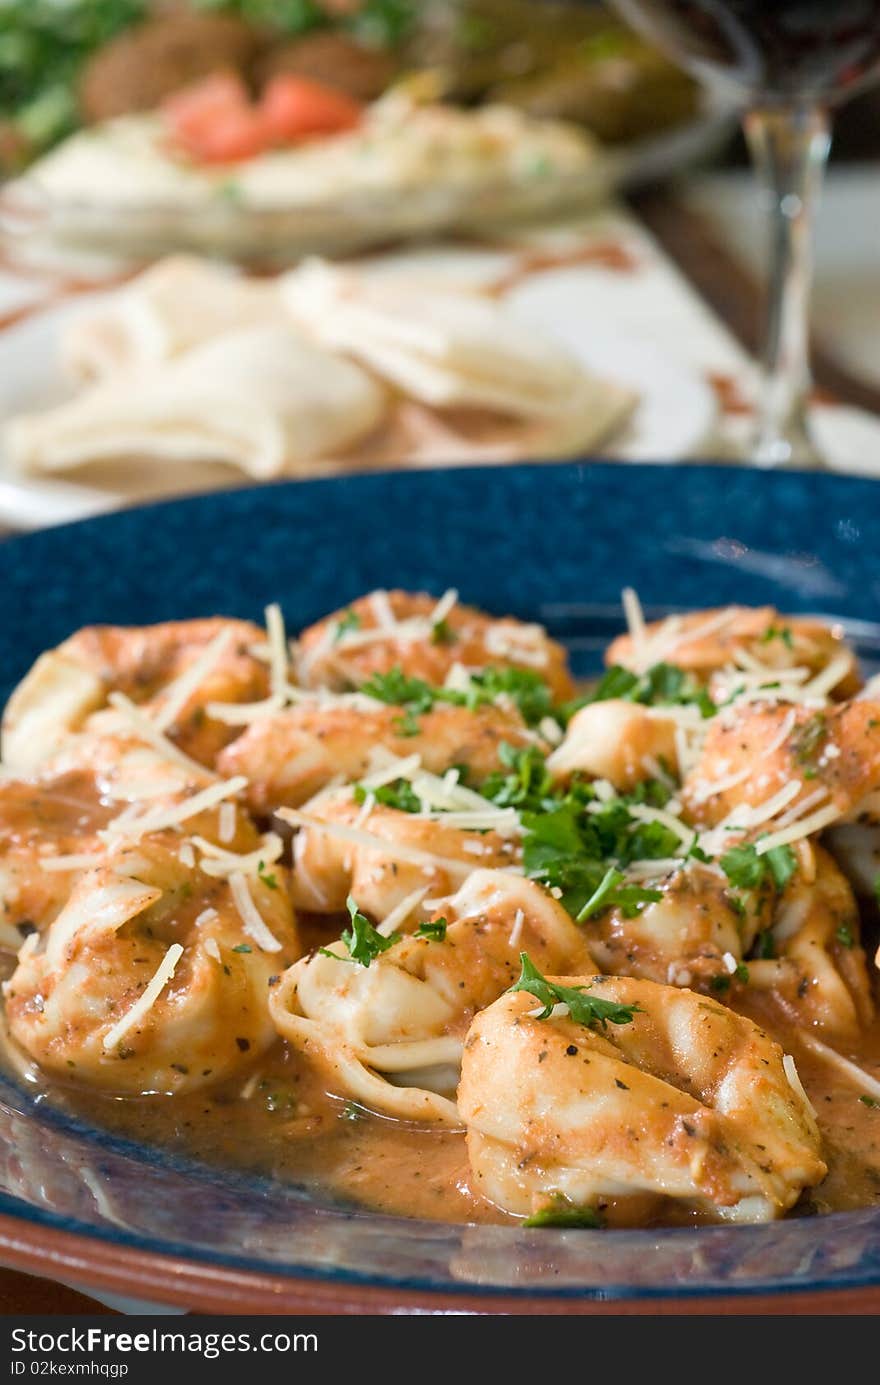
(793, 447)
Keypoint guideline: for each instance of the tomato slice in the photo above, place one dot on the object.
(294, 108)
(215, 120)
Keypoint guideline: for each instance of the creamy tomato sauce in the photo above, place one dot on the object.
(280, 1122)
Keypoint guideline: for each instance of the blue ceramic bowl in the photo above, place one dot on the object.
(553, 544)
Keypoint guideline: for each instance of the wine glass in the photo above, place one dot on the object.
(784, 63)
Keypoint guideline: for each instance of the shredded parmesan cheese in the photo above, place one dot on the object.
(226, 822)
(278, 657)
(178, 693)
(81, 860)
(212, 948)
(243, 713)
(146, 730)
(145, 1003)
(635, 620)
(794, 1081)
(857, 1075)
(401, 912)
(398, 851)
(252, 919)
(519, 919)
(157, 821)
(805, 827)
(221, 862)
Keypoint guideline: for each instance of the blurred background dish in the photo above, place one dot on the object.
(236, 129)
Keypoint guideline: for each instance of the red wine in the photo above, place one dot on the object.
(767, 50)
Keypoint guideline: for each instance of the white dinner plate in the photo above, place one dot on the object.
(672, 421)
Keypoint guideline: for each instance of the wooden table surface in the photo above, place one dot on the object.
(737, 301)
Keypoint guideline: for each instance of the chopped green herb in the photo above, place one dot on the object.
(742, 973)
(399, 794)
(613, 893)
(663, 684)
(434, 930)
(350, 621)
(266, 877)
(526, 786)
(870, 1101)
(765, 945)
(352, 1112)
(743, 866)
(720, 984)
(407, 725)
(563, 1213)
(526, 689)
(778, 632)
(589, 1010)
(523, 687)
(748, 870)
(442, 633)
(845, 935)
(783, 864)
(363, 941)
(243, 947)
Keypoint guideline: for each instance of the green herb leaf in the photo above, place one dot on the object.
(563, 1213)
(783, 864)
(870, 1101)
(746, 869)
(778, 632)
(267, 878)
(363, 941)
(591, 1011)
(845, 935)
(399, 794)
(243, 947)
(612, 893)
(434, 930)
(349, 621)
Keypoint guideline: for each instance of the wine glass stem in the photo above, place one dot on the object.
(789, 146)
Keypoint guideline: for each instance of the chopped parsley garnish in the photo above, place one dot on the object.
(845, 935)
(243, 947)
(612, 892)
(398, 690)
(349, 621)
(571, 839)
(442, 633)
(747, 870)
(352, 1112)
(407, 725)
(526, 689)
(778, 632)
(434, 930)
(870, 1101)
(589, 1010)
(662, 685)
(266, 876)
(399, 794)
(363, 941)
(527, 783)
(765, 946)
(563, 1213)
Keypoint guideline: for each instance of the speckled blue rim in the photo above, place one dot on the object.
(550, 543)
